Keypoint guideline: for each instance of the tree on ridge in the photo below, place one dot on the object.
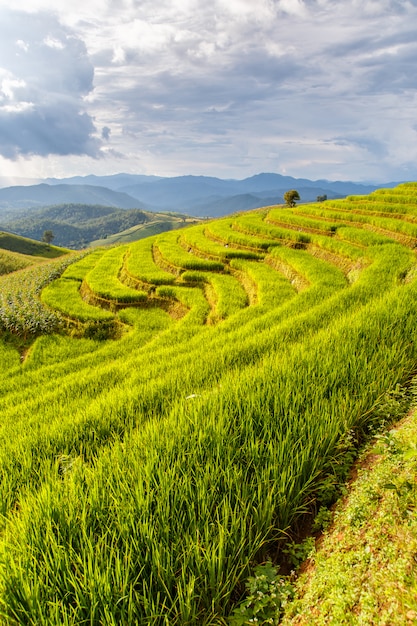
(291, 196)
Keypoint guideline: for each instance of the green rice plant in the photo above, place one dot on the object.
(194, 277)
(344, 249)
(199, 454)
(146, 321)
(176, 256)
(64, 295)
(374, 207)
(9, 357)
(310, 268)
(198, 240)
(362, 237)
(143, 478)
(103, 279)
(254, 223)
(399, 195)
(140, 263)
(355, 212)
(229, 232)
(49, 351)
(229, 295)
(79, 269)
(192, 298)
(295, 218)
(273, 289)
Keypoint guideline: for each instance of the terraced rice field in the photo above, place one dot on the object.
(199, 391)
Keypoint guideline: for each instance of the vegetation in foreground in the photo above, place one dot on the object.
(155, 452)
(364, 568)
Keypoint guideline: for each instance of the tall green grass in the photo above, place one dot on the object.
(181, 259)
(140, 263)
(164, 525)
(143, 478)
(64, 296)
(103, 279)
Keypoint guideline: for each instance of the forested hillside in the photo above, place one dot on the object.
(78, 225)
(170, 407)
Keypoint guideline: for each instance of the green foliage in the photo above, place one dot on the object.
(48, 236)
(267, 596)
(322, 520)
(13, 261)
(78, 225)
(182, 259)
(290, 197)
(14, 243)
(364, 570)
(21, 311)
(146, 472)
(299, 552)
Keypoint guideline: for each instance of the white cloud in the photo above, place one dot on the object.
(229, 85)
(45, 75)
(53, 43)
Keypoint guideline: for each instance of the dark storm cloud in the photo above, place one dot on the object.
(46, 130)
(45, 73)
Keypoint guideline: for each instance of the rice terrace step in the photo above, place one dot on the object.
(171, 407)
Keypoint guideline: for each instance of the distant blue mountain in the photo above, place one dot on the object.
(37, 196)
(194, 195)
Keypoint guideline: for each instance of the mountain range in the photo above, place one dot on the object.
(201, 196)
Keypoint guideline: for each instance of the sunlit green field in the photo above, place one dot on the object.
(170, 407)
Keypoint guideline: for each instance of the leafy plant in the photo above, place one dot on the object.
(268, 594)
(322, 520)
(299, 552)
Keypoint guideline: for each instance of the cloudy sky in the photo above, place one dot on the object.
(229, 88)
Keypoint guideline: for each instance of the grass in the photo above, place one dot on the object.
(13, 261)
(157, 223)
(180, 258)
(363, 570)
(145, 478)
(197, 238)
(141, 265)
(15, 243)
(64, 296)
(103, 279)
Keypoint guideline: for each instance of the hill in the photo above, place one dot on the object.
(210, 196)
(78, 225)
(159, 223)
(32, 196)
(180, 405)
(203, 196)
(29, 247)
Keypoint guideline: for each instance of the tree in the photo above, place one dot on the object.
(322, 198)
(291, 196)
(48, 235)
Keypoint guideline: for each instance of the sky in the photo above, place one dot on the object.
(319, 89)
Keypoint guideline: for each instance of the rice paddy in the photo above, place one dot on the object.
(146, 472)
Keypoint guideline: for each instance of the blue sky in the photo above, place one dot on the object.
(229, 88)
